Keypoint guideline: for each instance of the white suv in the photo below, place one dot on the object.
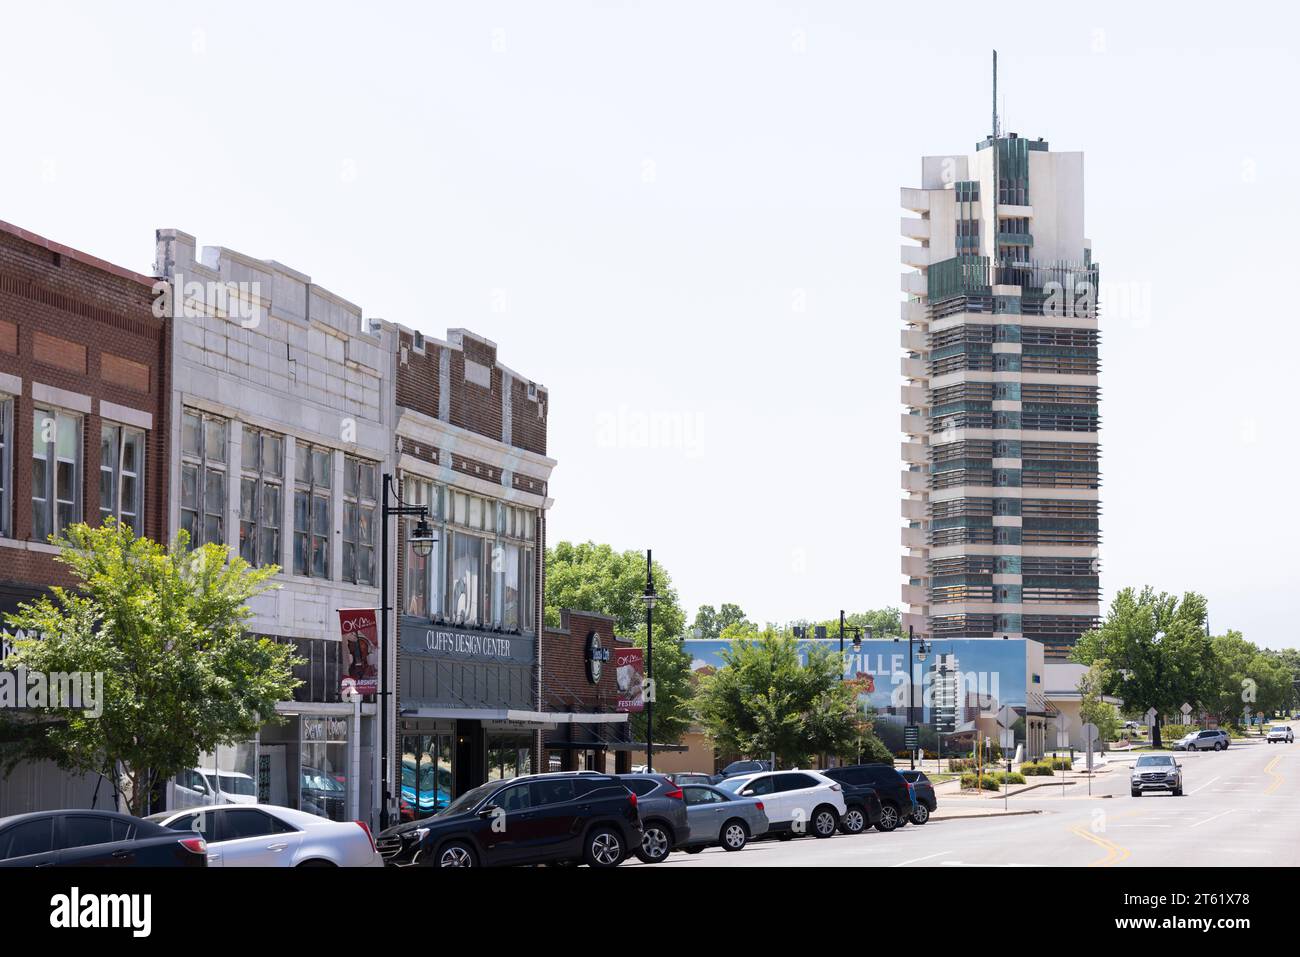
(796, 802)
(1281, 732)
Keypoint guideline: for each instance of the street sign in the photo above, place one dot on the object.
(911, 737)
(1151, 716)
(1186, 709)
(1089, 734)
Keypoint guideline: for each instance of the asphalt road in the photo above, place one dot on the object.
(1241, 808)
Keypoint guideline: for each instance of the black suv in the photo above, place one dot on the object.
(861, 806)
(896, 802)
(536, 819)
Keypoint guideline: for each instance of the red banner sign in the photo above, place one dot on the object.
(629, 666)
(360, 652)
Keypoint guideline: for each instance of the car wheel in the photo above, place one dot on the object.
(456, 854)
(1218, 745)
(853, 821)
(734, 836)
(921, 814)
(317, 862)
(604, 848)
(1133, 793)
(655, 844)
(889, 818)
(825, 821)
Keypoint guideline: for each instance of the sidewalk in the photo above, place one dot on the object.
(961, 813)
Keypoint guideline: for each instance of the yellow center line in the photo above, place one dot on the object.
(1114, 853)
(1277, 778)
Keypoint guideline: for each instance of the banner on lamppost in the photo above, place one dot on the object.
(629, 666)
(360, 652)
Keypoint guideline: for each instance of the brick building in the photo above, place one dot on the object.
(84, 433)
(596, 731)
(471, 447)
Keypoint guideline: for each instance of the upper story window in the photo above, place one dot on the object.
(203, 477)
(261, 496)
(360, 519)
(56, 472)
(422, 574)
(6, 464)
(121, 476)
(312, 512)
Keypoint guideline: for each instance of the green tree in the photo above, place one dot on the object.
(884, 622)
(1093, 708)
(710, 622)
(164, 631)
(764, 701)
(591, 577)
(1154, 650)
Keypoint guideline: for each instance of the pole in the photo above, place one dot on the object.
(841, 638)
(911, 695)
(383, 660)
(649, 670)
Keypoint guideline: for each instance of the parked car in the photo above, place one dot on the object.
(690, 777)
(662, 807)
(736, 768)
(1156, 772)
(861, 807)
(78, 838)
(897, 804)
(539, 819)
(1131, 726)
(1203, 741)
(719, 818)
(796, 802)
(1281, 732)
(265, 835)
(922, 795)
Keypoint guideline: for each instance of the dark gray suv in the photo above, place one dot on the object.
(662, 806)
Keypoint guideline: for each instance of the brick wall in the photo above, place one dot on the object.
(72, 322)
(565, 686)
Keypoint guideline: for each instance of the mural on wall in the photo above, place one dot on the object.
(963, 689)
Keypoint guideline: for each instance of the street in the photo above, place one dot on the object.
(1240, 808)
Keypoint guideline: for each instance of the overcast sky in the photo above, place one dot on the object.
(682, 218)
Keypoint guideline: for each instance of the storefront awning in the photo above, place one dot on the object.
(542, 719)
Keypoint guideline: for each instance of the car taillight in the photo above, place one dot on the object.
(631, 798)
(195, 845)
(759, 805)
(675, 793)
(366, 827)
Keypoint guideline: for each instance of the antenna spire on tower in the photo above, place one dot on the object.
(995, 94)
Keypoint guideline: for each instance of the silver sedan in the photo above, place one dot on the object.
(721, 819)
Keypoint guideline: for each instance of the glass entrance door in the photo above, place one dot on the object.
(426, 774)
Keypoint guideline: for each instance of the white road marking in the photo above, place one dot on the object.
(917, 859)
(1205, 785)
(1214, 818)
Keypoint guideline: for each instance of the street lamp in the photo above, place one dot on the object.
(911, 683)
(649, 597)
(422, 540)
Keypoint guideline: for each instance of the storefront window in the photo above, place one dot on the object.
(422, 574)
(324, 767)
(426, 775)
(508, 756)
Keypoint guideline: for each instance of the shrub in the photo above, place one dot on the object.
(1062, 764)
(1036, 768)
(970, 782)
(1172, 732)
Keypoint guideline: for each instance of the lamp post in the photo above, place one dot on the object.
(911, 683)
(649, 597)
(422, 540)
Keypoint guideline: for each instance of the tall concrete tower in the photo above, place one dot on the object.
(1001, 460)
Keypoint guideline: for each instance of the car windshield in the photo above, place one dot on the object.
(468, 799)
(733, 785)
(1162, 760)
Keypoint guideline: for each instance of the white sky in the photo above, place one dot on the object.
(653, 190)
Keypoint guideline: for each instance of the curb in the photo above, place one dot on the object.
(962, 817)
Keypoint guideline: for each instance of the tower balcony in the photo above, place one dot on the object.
(918, 229)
